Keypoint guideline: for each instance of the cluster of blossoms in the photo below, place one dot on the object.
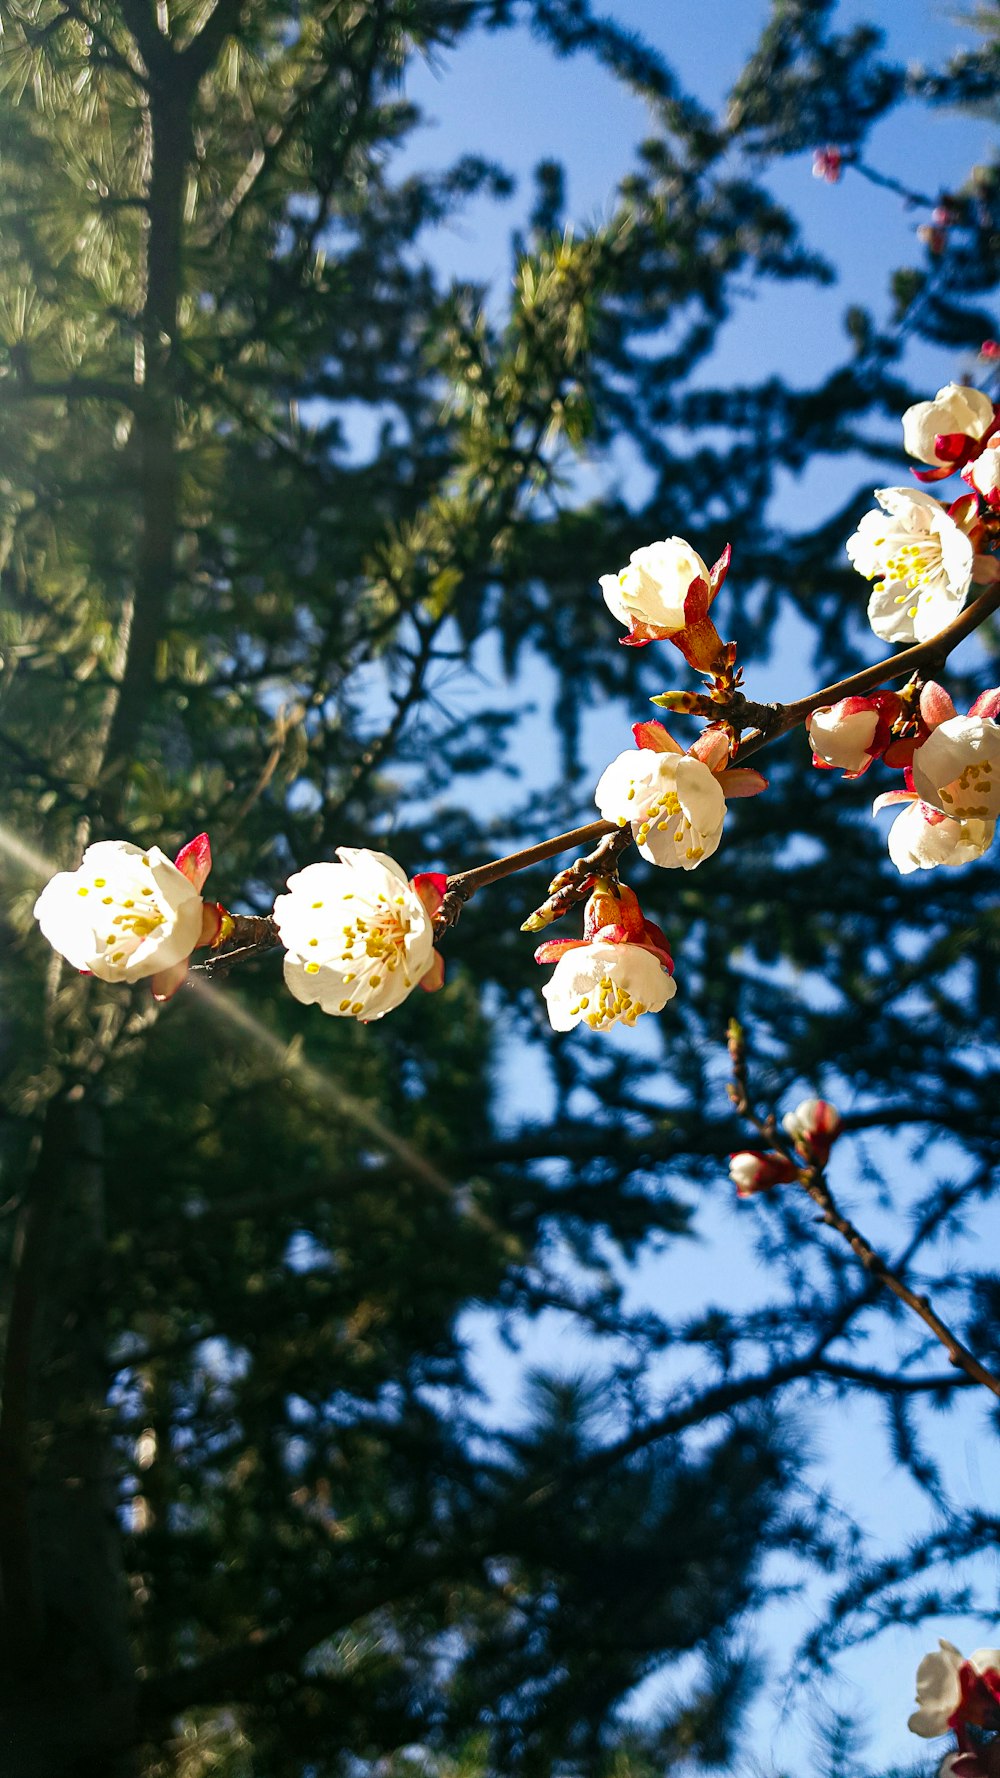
(359, 934)
(924, 558)
(812, 1129)
(960, 1696)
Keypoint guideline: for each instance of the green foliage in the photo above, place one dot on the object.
(273, 498)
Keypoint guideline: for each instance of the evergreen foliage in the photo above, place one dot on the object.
(273, 494)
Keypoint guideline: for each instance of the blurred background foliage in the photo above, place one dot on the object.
(274, 494)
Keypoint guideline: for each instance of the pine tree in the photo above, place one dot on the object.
(248, 1518)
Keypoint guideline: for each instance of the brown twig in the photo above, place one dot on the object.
(573, 884)
(812, 1179)
(773, 720)
(249, 935)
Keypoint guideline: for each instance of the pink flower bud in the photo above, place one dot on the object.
(849, 735)
(813, 1126)
(828, 164)
(752, 1171)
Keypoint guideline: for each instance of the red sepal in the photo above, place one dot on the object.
(656, 941)
(433, 976)
(166, 982)
(956, 447)
(933, 475)
(697, 601)
(654, 737)
(718, 571)
(979, 1703)
(936, 705)
(712, 748)
(615, 918)
(745, 780)
(700, 644)
(429, 887)
(554, 948)
(640, 635)
(194, 860)
(987, 704)
(899, 754)
(213, 924)
(964, 511)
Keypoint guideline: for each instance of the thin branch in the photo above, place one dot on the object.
(812, 1179)
(888, 1384)
(814, 1183)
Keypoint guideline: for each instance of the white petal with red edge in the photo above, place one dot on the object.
(603, 984)
(954, 409)
(124, 915)
(938, 1691)
(957, 769)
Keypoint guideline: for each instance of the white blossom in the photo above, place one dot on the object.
(675, 804)
(953, 410)
(752, 1171)
(921, 838)
(842, 738)
(957, 769)
(921, 559)
(940, 1691)
(603, 984)
(124, 915)
(653, 587)
(358, 935)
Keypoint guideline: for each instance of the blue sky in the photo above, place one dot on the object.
(506, 97)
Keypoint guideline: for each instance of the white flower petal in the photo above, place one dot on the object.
(675, 805)
(605, 984)
(653, 587)
(358, 937)
(919, 843)
(938, 1691)
(124, 915)
(957, 769)
(921, 559)
(954, 409)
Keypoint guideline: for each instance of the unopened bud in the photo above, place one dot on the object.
(813, 1126)
(537, 921)
(753, 1172)
(688, 703)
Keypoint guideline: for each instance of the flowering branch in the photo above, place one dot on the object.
(769, 723)
(359, 934)
(800, 1159)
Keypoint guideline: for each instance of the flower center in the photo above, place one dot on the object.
(613, 1003)
(668, 804)
(372, 945)
(910, 567)
(968, 784)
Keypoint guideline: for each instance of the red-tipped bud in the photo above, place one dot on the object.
(813, 1126)
(753, 1172)
(828, 164)
(936, 706)
(849, 735)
